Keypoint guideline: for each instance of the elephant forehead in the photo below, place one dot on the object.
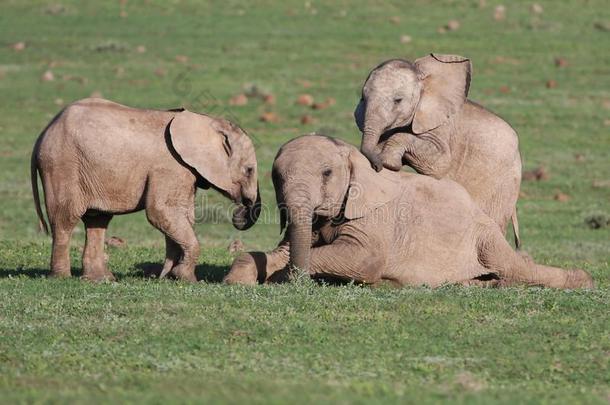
(390, 77)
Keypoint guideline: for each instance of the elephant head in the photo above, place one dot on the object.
(423, 94)
(316, 176)
(223, 155)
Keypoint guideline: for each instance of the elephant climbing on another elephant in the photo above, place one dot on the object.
(347, 221)
(421, 111)
(98, 158)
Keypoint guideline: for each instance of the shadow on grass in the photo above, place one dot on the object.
(208, 273)
(33, 272)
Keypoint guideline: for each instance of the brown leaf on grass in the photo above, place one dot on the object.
(602, 25)
(453, 25)
(269, 99)
(561, 197)
(607, 123)
(500, 13)
(47, 76)
(305, 99)
(395, 20)
(561, 62)
(504, 89)
(18, 46)
(235, 246)
(307, 119)
(238, 100)
(182, 58)
(405, 39)
(160, 72)
(140, 49)
(269, 116)
(441, 30)
(482, 3)
(325, 104)
(116, 242)
(59, 102)
(606, 104)
(123, 14)
(551, 84)
(538, 174)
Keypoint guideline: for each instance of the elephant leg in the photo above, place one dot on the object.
(172, 255)
(94, 263)
(252, 267)
(178, 227)
(347, 261)
(496, 254)
(61, 230)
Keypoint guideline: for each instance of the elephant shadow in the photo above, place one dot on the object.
(205, 272)
(209, 273)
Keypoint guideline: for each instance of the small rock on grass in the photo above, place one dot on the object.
(305, 99)
(269, 116)
(551, 84)
(307, 119)
(47, 76)
(405, 39)
(18, 46)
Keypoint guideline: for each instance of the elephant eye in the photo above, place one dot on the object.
(249, 171)
(397, 100)
(327, 172)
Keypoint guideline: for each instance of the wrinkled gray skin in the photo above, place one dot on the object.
(422, 110)
(97, 159)
(349, 222)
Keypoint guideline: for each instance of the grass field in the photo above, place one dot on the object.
(547, 73)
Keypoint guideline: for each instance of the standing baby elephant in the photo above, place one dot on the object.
(98, 158)
(436, 130)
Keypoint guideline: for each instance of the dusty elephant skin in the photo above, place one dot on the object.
(422, 111)
(347, 221)
(98, 158)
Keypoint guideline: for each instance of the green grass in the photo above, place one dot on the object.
(161, 341)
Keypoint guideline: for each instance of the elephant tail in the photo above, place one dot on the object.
(42, 224)
(515, 223)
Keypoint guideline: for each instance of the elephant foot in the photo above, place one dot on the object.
(579, 279)
(184, 273)
(60, 273)
(98, 276)
(243, 271)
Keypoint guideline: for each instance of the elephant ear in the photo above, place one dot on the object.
(368, 190)
(202, 147)
(445, 80)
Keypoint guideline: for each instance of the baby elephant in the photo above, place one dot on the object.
(349, 222)
(423, 111)
(98, 158)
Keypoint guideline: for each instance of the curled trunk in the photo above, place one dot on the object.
(246, 214)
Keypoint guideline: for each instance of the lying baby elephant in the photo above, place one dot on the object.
(439, 132)
(98, 158)
(349, 222)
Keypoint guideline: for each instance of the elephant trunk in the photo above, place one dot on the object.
(247, 212)
(370, 139)
(300, 237)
